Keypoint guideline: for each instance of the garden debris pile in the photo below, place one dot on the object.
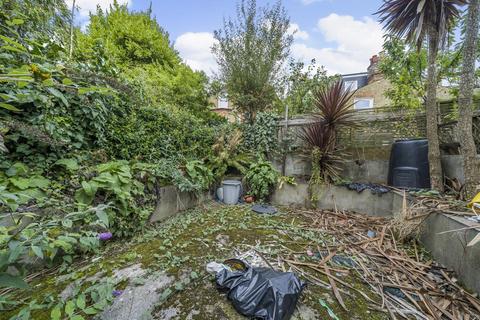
(418, 206)
(406, 285)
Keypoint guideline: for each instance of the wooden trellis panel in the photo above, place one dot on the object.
(377, 129)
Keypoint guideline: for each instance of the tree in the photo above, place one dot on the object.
(36, 21)
(465, 100)
(250, 52)
(416, 20)
(133, 46)
(301, 82)
(404, 68)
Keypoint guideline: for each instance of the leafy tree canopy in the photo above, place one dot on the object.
(135, 47)
(250, 52)
(302, 81)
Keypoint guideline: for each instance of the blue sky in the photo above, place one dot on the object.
(340, 34)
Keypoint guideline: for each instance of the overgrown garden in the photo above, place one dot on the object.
(93, 122)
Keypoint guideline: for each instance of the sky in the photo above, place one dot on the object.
(340, 34)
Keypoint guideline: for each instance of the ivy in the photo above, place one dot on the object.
(261, 136)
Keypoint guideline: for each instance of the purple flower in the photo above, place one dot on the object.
(117, 293)
(104, 236)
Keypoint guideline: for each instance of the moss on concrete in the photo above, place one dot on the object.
(185, 243)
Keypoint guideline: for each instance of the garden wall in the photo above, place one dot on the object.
(361, 170)
(449, 249)
(333, 197)
(170, 201)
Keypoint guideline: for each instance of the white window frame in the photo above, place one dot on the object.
(370, 106)
(351, 85)
(222, 103)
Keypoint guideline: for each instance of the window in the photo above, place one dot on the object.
(363, 103)
(351, 85)
(222, 103)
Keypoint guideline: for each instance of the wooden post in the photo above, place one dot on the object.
(283, 138)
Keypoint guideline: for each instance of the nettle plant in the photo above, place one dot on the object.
(261, 178)
(35, 228)
(55, 238)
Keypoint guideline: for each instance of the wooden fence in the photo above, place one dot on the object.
(377, 129)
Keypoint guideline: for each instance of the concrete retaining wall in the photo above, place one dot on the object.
(449, 249)
(171, 201)
(331, 197)
(374, 171)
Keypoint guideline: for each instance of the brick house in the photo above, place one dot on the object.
(372, 85)
(223, 107)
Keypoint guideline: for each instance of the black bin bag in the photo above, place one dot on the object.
(261, 293)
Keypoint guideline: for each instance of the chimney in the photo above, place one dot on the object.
(374, 73)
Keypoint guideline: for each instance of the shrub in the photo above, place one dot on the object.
(261, 177)
(151, 134)
(199, 174)
(334, 111)
(227, 153)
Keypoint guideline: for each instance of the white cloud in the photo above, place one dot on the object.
(297, 32)
(353, 43)
(195, 50)
(87, 6)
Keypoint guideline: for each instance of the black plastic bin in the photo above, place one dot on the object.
(408, 166)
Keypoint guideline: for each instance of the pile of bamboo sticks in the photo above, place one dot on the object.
(401, 281)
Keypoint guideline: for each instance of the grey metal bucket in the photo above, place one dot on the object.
(231, 191)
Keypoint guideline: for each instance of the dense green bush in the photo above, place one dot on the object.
(261, 178)
(199, 174)
(151, 134)
(134, 47)
(228, 155)
(118, 184)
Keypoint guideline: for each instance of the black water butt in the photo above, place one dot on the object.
(408, 166)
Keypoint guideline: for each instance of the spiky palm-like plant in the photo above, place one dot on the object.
(417, 20)
(320, 142)
(334, 105)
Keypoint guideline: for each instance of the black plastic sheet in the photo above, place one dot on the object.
(374, 188)
(262, 293)
(264, 209)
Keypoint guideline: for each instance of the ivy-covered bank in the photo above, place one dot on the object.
(171, 257)
(92, 123)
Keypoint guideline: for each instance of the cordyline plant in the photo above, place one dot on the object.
(334, 104)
